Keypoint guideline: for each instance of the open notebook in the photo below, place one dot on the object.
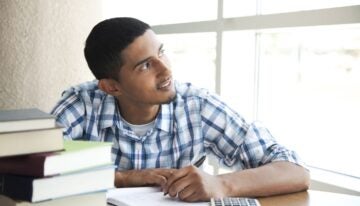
(149, 196)
(153, 196)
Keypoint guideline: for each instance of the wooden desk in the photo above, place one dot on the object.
(311, 198)
(308, 198)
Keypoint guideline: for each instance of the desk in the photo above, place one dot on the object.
(311, 198)
(153, 197)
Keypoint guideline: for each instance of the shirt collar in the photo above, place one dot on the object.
(165, 117)
(110, 116)
(109, 113)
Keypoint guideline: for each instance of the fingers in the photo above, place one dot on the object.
(178, 186)
(177, 174)
(187, 187)
(187, 194)
(166, 172)
(179, 180)
(156, 176)
(157, 180)
(188, 183)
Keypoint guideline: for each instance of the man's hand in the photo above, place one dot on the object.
(192, 184)
(134, 178)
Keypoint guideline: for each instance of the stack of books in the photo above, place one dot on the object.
(37, 167)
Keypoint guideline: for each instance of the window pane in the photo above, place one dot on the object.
(236, 8)
(156, 12)
(310, 94)
(237, 71)
(192, 57)
(280, 6)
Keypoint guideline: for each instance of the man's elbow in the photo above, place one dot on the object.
(303, 180)
(298, 178)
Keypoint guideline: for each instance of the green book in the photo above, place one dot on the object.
(77, 155)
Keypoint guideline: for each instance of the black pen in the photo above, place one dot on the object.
(200, 161)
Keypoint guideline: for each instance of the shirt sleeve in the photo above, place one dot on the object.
(236, 143)
(69, 113)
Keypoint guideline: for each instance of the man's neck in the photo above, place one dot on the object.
(136, 114)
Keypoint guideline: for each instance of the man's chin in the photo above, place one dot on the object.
(171, 98)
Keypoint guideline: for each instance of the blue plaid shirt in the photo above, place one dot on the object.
(195, 123)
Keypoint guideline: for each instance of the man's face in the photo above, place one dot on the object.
(146, 78)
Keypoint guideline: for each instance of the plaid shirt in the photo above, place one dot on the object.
(195, 123)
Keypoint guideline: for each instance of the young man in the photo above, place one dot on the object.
(159, 127)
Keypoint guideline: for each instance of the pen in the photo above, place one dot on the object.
(198, 163)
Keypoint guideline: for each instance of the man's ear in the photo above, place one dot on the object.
(110, 86)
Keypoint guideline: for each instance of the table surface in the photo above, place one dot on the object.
(306, 198)
(311, 198)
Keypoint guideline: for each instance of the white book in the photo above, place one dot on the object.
(25, 119)
(33, 141)
(32, 189)
(149, 196)
(78, 155)
(88, 199)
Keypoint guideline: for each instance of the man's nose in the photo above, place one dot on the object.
(162, 65)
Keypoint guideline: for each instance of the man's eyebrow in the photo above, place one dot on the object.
(146, 59)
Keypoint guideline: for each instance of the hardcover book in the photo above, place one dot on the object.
(25, 119)
(32, 189)
(88, 199)
(76, 156)
(27, 142)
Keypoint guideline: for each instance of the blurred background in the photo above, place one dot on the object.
(294, 65)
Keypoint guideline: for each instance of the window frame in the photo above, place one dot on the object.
(348, 15)
(320, 17)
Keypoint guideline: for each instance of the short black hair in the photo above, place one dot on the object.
(107, 40)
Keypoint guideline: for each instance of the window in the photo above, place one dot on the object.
(280, 6)
(193, 54)
(294, 65)
(157, 12)
(310, 93)
(237, 71)
(236, 8)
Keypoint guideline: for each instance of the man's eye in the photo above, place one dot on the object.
(145, 66)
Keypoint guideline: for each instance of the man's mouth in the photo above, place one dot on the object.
(165, 84)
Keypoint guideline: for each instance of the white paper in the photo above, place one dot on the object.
(149, 196)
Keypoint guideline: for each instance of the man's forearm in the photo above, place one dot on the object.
(271, 179)
(130, 178)
(136, 178)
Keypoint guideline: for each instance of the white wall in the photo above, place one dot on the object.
(41, 49)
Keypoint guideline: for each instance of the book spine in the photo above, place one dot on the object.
(29, 165)
(16, 187)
